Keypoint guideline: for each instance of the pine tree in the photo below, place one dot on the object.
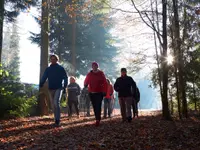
(9, 15)
(93, 42)
(14, 59)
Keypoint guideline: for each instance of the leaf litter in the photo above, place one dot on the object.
(143, 133)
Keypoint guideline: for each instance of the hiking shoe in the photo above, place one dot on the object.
(57, 123)
(97, 123)
(129, 119)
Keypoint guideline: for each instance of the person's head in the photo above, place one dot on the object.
(108, 81)
(95, 66)
(54, 59)
(72, 79)
(123, 71)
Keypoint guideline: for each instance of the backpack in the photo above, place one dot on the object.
(137, 95)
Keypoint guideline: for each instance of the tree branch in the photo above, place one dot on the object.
(151, 25)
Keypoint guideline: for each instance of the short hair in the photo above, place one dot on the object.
(123, 70)
(54, 55)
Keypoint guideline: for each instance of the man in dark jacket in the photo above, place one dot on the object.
(55, 74)
(73, 91)
(126, 87)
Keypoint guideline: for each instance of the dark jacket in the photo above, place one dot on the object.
(73, 91)
(125, 86)
(56, 75)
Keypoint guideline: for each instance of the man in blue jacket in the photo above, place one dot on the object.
(55, 74)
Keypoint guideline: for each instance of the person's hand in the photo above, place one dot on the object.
(40, 85)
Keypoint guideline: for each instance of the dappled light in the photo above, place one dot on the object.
(99, 74)
(170, 59)
(145, 132)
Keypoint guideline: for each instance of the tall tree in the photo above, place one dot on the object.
(166, 113)
(43, 96)
(162, 38)
(10, 54)
(179, 55)
(93, 41)
(10, 14)
(1, 25)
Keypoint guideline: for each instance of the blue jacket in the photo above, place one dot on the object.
(56, 75)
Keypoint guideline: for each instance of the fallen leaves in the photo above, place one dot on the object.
(146, 132)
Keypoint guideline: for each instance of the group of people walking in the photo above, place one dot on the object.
(98, 89)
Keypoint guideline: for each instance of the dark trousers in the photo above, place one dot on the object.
(70, 104)
(125, 107)
(96, 99)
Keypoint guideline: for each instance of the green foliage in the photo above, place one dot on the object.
(21, 106)
(15, 6)
(93, 40)
(14, 98)
(63, 101)
(17, 106)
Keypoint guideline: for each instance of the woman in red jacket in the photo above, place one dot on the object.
(97, 88)
(107, 99)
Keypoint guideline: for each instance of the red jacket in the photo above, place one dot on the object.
(109, 92)
(96, 82)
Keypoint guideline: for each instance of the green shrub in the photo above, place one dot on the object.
(14, 98)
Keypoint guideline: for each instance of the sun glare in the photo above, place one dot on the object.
(170, 59)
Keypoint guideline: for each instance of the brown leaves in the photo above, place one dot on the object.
(146, 132)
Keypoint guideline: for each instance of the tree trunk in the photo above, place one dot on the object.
(180, 63)
(1, 26)
(43, 96)
(59, 29)
(74, 43)
(171, 101)
(194, 95)
(156, 48)
(178, 92)
(165, 106)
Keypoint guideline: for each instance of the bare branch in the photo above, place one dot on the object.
(157, 32)
(151, 25)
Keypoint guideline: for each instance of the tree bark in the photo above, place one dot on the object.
(163, 43)
(180, 63)
(194, 95)
(1, 27)
(171, 101)
(74, 43)
(43, 96)
(165, 105)
(178, 92)
(172, 29)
